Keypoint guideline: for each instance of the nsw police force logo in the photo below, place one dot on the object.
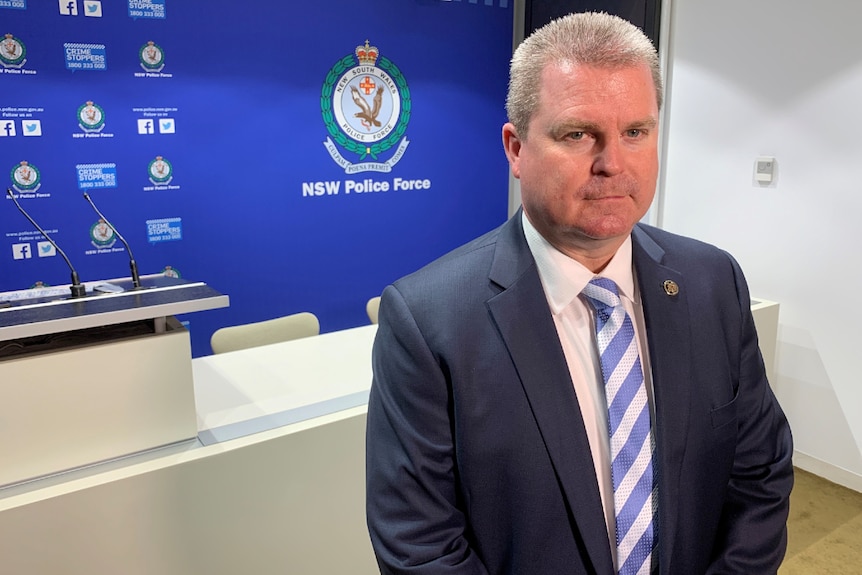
(161, 171)
(365, 104)
(102, 235)
(171, 272)
(91, 117)
(152, 57)
(26, 177)
(13, 54)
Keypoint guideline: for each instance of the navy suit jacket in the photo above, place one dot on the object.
(477, 457)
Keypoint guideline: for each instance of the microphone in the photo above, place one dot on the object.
(78, 289)
(136, 279)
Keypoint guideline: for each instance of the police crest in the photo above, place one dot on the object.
(161, 171)
(102, 235)
(91, 117)
(152, 57)
(26, 177)
(13, 53)
(365, 104)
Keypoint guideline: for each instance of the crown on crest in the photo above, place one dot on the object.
(367, 55)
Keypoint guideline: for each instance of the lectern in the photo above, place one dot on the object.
(90, 379)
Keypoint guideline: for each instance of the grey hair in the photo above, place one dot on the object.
(590, 38)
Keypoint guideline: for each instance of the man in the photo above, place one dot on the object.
(492, 438)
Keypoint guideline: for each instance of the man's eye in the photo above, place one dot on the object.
(577, 135)
(634, 133)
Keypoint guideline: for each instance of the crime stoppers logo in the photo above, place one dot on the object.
(366, 105)
(91, 117)
(13, 54)
(26, 177)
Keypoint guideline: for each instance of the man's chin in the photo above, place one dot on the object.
(604, 231)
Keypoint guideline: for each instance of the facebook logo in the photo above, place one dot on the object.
(46, 249)
(7, 128)
(21, 251)
(145, 126)
(68, 7)
(167, 126)
(31, 127)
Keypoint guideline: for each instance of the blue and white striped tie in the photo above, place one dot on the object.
(635, 490)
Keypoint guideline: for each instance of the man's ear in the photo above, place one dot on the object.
(512, 147)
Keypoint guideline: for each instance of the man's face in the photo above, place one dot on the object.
(589, 163)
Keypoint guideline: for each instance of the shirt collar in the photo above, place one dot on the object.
(564, 278)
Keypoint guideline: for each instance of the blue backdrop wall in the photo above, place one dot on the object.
(297, 156)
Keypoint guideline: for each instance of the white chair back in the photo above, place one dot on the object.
(295, 326)
(372, 307)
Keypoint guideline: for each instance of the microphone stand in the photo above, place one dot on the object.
(77, 288)
(136, 279)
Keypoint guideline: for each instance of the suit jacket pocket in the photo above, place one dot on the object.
(725, 414)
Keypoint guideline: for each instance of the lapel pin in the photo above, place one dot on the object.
(670, 287)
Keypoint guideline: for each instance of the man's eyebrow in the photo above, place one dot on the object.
(574, 126)
(649, 122)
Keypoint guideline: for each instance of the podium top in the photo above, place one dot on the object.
(43, 312)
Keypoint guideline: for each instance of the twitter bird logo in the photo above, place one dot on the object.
(32, 127)
(93, 9)
(46, 249)
(167, 126)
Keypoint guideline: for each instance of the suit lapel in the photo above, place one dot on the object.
(668, 324)
(524, 320)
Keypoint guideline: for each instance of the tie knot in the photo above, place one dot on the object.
(602, 293)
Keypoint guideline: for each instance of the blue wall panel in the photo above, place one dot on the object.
(229, 95)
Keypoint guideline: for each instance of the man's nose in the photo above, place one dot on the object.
(608, 160)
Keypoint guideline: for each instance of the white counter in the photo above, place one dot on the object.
(274, 485)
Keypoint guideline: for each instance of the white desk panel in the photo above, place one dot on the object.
(261, 388)
(276, 483)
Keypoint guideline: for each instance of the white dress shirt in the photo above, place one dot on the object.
(563, 278)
